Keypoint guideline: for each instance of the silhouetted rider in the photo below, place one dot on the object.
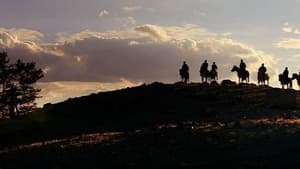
(214, 67)
(185, 67)
(262, 69)
(184, 72)
(285, 73)
(204, 67)
(243, 65)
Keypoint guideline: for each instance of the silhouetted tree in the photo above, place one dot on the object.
(18, 93)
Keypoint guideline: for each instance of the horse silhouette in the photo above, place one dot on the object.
(242, 75)
(262, 78)
(213, 75)
(288, 82)
(204, 74)
(185, 76)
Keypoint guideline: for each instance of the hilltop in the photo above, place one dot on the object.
(157, 125)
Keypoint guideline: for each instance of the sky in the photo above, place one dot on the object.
(98, 45)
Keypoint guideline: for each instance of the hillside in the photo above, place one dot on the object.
(157, 126)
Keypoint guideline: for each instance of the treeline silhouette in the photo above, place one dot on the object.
(17, 93)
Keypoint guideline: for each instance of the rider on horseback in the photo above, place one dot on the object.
(213, 72)
(204, 73)
(185, 67)
(285, 80)
(204, 67)
(285, 73)
(214, 67)
(243, 66)
(184, 72)
(262, 70)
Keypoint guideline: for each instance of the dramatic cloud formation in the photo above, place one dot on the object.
(144, 53)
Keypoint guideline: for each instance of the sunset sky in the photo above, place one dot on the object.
(97, 45)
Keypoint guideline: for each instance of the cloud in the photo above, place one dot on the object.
(166, 33)
(290, 43)
(131, 20)
(23, 34)
(153, 31)
(143, 53)
(103, 13)
(287, 29)
(297, 31)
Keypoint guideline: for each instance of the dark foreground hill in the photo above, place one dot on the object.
(159, 126)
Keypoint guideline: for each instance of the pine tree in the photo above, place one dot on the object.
(18, 93)
(4, 76)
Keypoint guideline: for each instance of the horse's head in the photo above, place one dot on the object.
(234, 68)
